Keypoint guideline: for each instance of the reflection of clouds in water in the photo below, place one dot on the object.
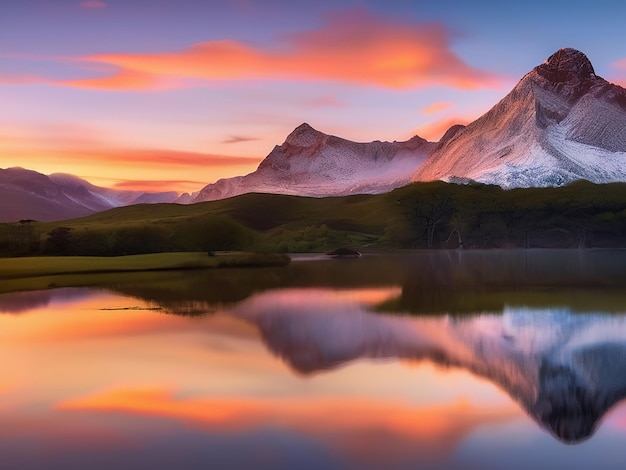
(362, 428)
(565, 369)
(22, 302)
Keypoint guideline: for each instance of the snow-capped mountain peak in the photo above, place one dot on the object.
(559, 124)
(312, 163)
(304, 136)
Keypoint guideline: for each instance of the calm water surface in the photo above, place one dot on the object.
(449, 360)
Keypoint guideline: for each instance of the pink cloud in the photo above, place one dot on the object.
(353, 46)
(19, 79)
(237, 139)
(620, 64)
(620, 79)
(124, 80)
(325, 101)
(435, 130)
(92, 4)
(437, 107)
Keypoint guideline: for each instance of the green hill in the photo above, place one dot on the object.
(422, 215)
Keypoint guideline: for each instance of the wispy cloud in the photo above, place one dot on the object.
(436, 107)
(123, 80)
(19, 79)
(158, 186)
(325, 101)
(237, 139)
(352, 46)
(164, 157)
(92, 4)
(620, 65)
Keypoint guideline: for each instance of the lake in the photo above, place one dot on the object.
(433, 360)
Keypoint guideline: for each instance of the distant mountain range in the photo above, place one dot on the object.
(26, 194)
(561, 123)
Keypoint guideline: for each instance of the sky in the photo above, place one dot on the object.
(173, 94)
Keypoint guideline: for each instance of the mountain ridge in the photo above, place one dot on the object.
(312, 163)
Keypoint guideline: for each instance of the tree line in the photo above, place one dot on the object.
(440, 215)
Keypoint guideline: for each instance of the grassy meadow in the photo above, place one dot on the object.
(46, 268)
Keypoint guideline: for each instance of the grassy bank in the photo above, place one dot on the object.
(15, 268)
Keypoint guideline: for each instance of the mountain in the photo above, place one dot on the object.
(311, 163)
(566, 370)
(26, 194)
(561, 123)
(75, 186)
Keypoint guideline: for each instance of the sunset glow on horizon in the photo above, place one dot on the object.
(169, 96)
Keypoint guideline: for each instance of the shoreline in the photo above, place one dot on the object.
(29, 267)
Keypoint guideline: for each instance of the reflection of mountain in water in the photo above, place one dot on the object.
(566, 370)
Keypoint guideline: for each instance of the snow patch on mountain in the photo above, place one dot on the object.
(311, 163)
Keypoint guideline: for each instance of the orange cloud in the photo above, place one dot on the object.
(167, 157)
(435, 131)
(98, 154)
(83, 151)
(350, 424)
(158, 186)
(436, 107)
(80, 152)
(353, 46)
(123, 80)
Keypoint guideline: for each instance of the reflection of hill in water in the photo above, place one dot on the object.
(566, 370)
(432, 282)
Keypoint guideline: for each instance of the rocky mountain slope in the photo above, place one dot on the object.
(311, 163)
(561, 123)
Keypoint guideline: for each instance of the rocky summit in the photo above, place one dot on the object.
(566, 65)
